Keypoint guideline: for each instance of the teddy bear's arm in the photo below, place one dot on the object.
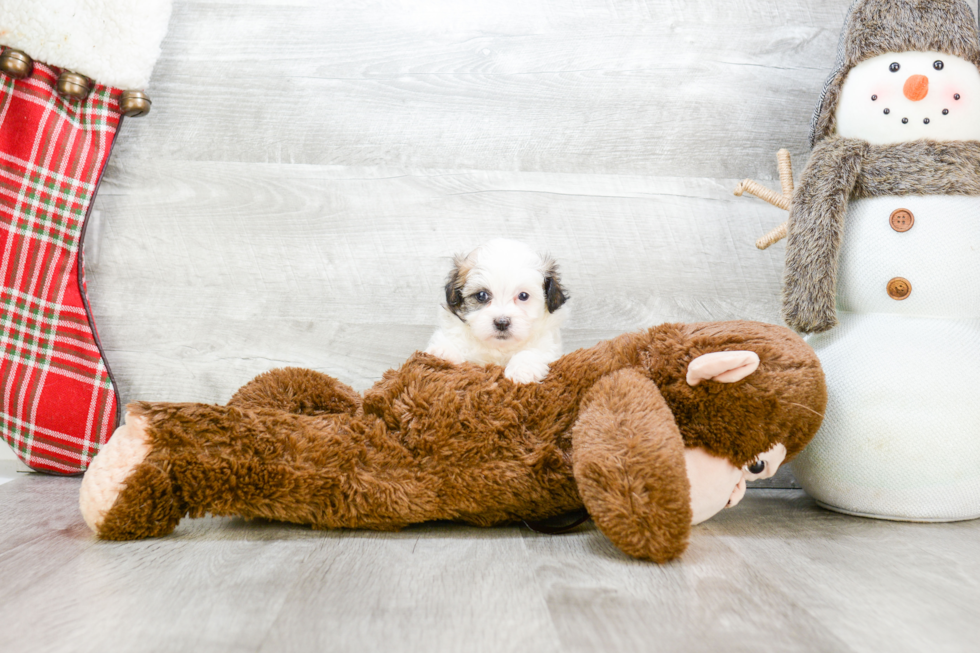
(628, 462)
(297, 390)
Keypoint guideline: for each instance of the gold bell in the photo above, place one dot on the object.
(134, 104)
(15, 63)
(74, 86)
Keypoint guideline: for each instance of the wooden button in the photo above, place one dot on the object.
(899, 288)
(901, 220)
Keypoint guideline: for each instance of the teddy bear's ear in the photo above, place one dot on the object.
(628, 462)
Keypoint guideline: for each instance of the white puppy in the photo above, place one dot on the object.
(503, 306)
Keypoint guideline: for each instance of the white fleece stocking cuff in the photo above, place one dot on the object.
(113, 42)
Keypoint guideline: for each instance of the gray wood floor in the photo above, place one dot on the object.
(776, 573)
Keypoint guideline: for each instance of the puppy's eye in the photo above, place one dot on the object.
(524, 297)
(483, 296)
(757, 467)
(894, 67)
(937, 64)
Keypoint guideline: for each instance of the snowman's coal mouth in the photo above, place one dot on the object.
(925, 121)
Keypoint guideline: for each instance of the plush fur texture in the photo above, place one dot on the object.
(920, 168)
(431, 441)
(874, 27)
(841, 169)
(114, 42)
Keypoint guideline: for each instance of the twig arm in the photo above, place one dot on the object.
(785, 173)
(773, 236)
(763, 193)
(780, 201)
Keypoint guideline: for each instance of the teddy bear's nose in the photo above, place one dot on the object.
(916, 87)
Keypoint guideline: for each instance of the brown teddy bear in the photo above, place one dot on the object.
(650, 432)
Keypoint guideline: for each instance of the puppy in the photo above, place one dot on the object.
(503, 306)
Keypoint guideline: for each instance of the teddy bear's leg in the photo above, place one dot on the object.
(327, 471)
(118, 470)
(296, 390)
(628, 462)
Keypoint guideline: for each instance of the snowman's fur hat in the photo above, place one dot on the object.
(874, 27)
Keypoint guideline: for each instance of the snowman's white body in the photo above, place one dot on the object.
(901, 435)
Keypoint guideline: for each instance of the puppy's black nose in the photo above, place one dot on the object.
(501, 323)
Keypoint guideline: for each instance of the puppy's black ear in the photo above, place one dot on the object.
(554, 294)
(454, 285)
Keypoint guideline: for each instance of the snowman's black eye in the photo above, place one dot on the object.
(887, 111)
(945, 112)
(757, 467)
(905, 121)
(937, 64)
(956, 97)
(894, 67)
(874, 97)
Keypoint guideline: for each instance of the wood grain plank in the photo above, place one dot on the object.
(215, 583)
(210, 272)
(775, 572)
(658, 88)
(433, 588)
(874, 584)
(712, 599)
(309, 169)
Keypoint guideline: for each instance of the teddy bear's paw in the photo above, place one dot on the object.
(526, 368)
(722, 366)
(107, 474)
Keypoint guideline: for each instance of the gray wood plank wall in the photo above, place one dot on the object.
(309, 168)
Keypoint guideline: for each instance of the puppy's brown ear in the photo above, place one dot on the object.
(554, 294)
(455, 283)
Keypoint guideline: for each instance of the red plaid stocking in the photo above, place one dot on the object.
(58, 403)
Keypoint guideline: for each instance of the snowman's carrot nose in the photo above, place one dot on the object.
(916, 87)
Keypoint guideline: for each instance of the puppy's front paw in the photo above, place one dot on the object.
(526, 368)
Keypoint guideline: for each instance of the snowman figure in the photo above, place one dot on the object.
(883, 265)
